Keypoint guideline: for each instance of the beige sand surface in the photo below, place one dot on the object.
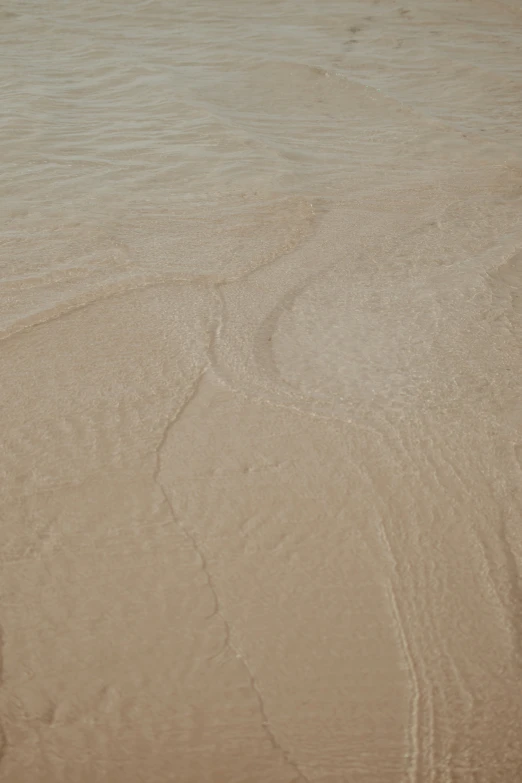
(261, 398)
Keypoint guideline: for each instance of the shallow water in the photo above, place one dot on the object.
(260, 359)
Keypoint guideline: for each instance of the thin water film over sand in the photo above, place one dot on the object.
(260, 356)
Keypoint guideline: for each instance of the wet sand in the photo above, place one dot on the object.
(261, 461)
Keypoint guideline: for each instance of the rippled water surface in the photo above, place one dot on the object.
(260, 270)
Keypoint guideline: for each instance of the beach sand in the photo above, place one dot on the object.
(261, 329)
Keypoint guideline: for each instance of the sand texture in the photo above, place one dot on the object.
(261, 392)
